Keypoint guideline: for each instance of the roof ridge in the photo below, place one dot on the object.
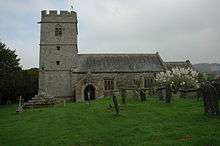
(177, 62)
(120, 54)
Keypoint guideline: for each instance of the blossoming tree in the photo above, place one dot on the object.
(184, 78)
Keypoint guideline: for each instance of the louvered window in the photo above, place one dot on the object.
(58, 30)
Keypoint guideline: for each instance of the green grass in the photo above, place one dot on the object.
(151, 123)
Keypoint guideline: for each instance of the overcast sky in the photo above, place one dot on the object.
(177, 29)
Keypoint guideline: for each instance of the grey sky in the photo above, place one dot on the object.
(178, 29)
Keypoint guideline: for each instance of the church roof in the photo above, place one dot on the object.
(119, 63)
(180, 64)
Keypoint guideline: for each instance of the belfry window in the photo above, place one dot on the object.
(58, 30)
(58, 62)
(109, 84)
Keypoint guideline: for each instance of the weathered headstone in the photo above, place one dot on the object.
(210, 99)
(143, 96)
(115, 101)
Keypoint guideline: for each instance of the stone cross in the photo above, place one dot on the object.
(19, 108)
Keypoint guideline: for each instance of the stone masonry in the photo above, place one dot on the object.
(65, 73)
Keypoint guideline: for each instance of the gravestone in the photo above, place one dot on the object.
(115, 102)
(189, 93)
(168, 94)
(210, 99)
(123, 94)
(142, 95)
(161, 93)
(217, 87)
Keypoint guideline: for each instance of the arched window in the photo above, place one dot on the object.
(58, 30)
(108, 84)
(148, 82)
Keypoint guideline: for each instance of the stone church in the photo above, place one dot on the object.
(64, 73)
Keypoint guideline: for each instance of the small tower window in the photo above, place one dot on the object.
(58, 48)
(58, 30)
(58, 62)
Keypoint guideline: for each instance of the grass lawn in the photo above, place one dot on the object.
(151, 123)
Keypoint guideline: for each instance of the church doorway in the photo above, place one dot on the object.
(89, 92)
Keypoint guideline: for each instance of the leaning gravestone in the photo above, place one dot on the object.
(210, 99)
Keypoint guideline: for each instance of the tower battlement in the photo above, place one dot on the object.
(54, 15)
(58, 39)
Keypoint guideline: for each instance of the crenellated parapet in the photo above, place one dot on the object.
(58, 39)
(53, 16)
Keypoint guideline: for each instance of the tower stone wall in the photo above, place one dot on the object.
(58, 50)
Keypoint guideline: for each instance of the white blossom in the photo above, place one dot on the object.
(182, 77)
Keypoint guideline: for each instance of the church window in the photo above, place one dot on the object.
(58, 62)
(58, 48)
(58, 30)
(148, 82)
(109, 84)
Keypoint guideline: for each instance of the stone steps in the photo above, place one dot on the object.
(39, 101)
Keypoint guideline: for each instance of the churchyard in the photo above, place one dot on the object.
(152, 122)
(155, 116)
(111, 86)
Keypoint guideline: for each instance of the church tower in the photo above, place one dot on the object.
(58, 49)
